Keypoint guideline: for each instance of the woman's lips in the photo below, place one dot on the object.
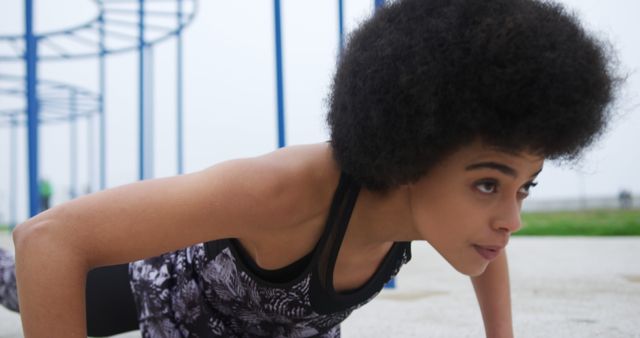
(488, 252)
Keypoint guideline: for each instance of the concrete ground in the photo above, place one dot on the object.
(561, 287)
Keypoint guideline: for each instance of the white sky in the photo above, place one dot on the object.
(230, 93)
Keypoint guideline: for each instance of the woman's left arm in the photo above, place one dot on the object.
(494, 297)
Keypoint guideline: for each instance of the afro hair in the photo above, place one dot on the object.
(422, 78)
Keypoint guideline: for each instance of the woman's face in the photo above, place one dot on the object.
(468, 206)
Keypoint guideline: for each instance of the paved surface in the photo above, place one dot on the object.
(561, 287)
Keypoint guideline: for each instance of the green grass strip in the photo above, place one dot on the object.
(581, 223)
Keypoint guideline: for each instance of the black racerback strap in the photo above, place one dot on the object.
(324, 297)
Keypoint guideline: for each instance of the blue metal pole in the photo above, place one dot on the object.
(279, 75)
(340, 26)
(141, 126)
(379, 3)
(13, 173)
(73, 141)
(32, 109)
(149, 118)
(103, 118)
(179, 104)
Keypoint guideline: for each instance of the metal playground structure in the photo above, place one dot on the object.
(119, 27)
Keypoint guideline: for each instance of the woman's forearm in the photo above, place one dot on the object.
(494, 297)
(51, 283)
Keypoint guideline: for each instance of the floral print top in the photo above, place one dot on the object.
(209, 289)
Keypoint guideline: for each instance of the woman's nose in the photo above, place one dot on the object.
(509, 219)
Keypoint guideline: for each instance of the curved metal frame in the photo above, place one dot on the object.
(120, 26)
(118, 20)
(55, 100)
(102, 26)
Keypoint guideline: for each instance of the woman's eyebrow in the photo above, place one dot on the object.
(505, 169)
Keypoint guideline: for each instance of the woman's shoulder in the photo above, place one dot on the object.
(294, 188)
(305, 175)
(311, 163)
(279, 190)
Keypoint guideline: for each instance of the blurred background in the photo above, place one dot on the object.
(211, 67)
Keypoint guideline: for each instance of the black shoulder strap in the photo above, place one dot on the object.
(324, 297)
(336, 228)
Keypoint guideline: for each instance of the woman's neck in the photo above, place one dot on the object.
(381, 218)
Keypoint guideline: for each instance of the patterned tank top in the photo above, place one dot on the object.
(214, 289)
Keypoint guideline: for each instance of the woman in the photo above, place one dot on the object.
(442, 113)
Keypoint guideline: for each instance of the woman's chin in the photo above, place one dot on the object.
(464, 266)
(471, 270)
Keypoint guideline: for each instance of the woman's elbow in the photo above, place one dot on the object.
(42, 232)
(27, 235)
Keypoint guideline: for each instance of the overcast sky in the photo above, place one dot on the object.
(230, 93)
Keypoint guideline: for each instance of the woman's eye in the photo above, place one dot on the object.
(486, 187)
(526, 189)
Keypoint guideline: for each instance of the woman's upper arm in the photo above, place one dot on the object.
(151, 217)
